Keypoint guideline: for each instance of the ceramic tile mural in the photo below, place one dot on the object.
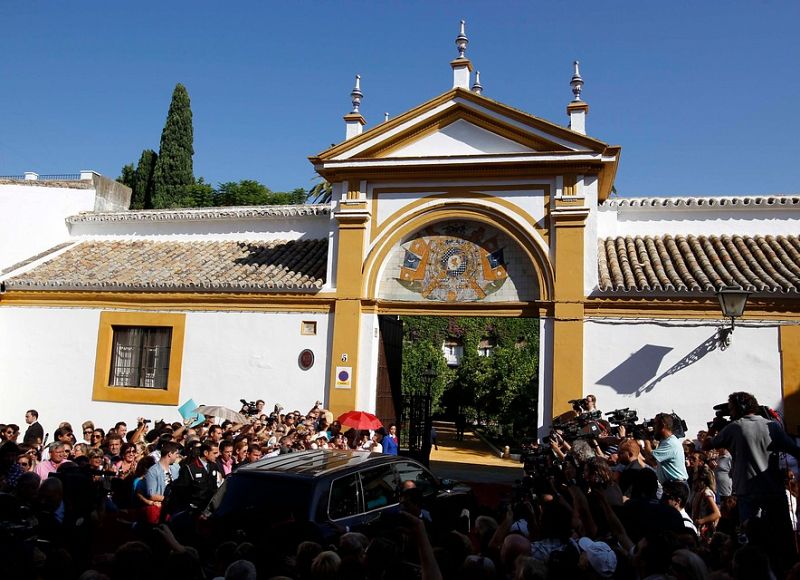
(458, 261)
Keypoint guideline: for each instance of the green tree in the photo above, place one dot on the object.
(320, 193)
(501, 388)
(245, 192)
(199, 194)
(294, 197)
(142, 197)
(173, 168)
(127, 175)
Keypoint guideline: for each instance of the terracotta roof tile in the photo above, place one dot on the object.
(182, 266)
(762, 264)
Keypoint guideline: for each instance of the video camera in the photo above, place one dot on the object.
(248, 407)
(721, 414)
(579, 405)
(624, 416)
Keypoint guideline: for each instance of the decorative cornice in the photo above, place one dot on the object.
(727, 202)
(204, 214)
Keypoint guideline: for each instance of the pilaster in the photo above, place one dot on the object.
(569, 221)
(353, 217)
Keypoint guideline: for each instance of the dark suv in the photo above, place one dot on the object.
(337, 491)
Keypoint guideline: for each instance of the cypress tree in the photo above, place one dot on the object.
(173, 168)
(127, 175)
(142, 197)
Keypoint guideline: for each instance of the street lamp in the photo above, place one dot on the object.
(429, 377)
(732, 301)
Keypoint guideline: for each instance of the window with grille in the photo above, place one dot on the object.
(140, 356)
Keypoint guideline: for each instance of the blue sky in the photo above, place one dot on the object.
(702, 96)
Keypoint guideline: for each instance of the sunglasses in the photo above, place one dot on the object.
(89, 431)
(24, 463)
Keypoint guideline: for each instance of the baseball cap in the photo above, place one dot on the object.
(601, 557)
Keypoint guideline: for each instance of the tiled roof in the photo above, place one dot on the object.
(727, 202)
(205, 213)
(211, 266)
(762, 264)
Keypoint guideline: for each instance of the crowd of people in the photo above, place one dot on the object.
(127, 503)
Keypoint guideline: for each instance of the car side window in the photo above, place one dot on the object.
(407, 471)
(345, 497)
(380, 487)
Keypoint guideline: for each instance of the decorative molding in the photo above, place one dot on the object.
(204, 214)
(716, 202)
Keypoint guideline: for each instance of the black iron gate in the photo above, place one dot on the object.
(415, 427)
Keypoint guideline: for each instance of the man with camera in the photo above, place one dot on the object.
(671, 461)
(754, 442)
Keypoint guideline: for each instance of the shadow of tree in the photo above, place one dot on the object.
(304, 260)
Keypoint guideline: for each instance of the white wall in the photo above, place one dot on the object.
(307, 227)
(676, 366)
(699, 221)
(47, 358)
(35, 218)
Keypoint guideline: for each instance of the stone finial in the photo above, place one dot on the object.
(577, 82)
(577, 109)
(462, 41)
(477, 87)
(357, 95)
(354, 121)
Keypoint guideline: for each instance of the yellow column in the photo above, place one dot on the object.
(569, 219)
(353, 217)
(790, 377)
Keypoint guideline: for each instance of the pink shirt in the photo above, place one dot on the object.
(44, 468)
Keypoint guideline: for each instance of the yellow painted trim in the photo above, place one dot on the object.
(346, 340)
(536, 309)
(790, 377)
(102, 391)
(460, 192)
(537, 256)
(344, 146)
(608, 174)
(567, 363)
(459, 171)
(480, 100)
(449, 116)
(705, 308)
(321, 302)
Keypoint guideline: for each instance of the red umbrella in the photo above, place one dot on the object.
(360, 420)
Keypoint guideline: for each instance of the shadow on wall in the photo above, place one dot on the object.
(791, 411)
(635, 376)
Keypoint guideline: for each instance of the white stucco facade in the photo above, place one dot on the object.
(38, 218)
(48, 363)
(677, 365)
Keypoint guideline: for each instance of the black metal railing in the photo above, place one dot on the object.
(60, 177)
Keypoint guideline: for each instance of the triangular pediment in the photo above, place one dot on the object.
(460, 138)
(461, 123)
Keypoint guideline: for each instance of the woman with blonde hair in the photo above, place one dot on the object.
(705, 511)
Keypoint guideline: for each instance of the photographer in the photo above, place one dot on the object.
(754, 443)
(669, 453)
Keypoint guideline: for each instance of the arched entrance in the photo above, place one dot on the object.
(456, 260)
